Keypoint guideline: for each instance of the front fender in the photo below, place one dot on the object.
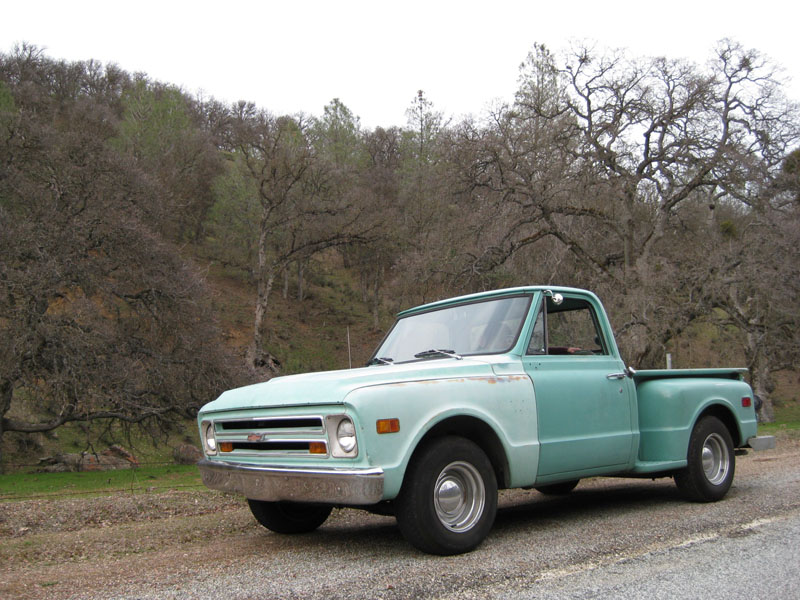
(506, 404)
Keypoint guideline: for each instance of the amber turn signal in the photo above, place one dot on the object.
(388, 425)
(317, 448)
(226, 446)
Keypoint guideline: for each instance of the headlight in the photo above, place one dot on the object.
(346, 435)
(209, 440)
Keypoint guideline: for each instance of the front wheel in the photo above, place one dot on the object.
(711, 462)
(289, 517)
(449, 497)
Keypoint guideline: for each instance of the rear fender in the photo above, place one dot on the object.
(669, 409)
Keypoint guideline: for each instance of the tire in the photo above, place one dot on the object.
(289, 517)
(711, 462)
(558, 489)
(449, 497)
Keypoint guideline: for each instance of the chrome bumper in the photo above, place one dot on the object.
(325, 485)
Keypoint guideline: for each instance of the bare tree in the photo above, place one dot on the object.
(610, 157)
(755, 257)
(298, 216)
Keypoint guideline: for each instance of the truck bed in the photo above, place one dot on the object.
(730, 373)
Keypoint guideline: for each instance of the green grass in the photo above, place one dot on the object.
(19, 486)
(787, 420)
(789, 428)
(22, 453)
(788, 412)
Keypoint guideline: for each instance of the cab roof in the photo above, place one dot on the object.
(477, 297)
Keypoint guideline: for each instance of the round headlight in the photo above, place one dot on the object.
(346, 435)
(210, 440)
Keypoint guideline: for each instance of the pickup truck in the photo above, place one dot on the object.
(514, 388)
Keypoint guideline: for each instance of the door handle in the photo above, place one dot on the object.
(616, 376)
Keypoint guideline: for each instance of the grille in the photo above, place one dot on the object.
(293, 423)
(277, 445)
(271, 436)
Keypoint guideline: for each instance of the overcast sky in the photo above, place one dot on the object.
(297, 55)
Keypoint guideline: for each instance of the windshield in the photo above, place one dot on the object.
(487, 327)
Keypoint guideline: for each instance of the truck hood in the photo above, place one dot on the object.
(332, 387)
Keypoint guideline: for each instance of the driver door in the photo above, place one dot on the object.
(585, 417)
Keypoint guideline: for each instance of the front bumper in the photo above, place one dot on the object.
(272, 484)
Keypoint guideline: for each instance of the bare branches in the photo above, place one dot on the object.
(69, 417)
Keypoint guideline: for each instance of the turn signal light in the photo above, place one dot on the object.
(747, 401)
(388, 425)
(226, 446)
(317, 448)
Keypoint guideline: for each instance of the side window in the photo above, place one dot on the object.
(570, 328)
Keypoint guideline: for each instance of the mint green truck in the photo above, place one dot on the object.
(515, 388)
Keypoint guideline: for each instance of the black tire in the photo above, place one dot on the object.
(558, 489)
(711, 462)
(289, 517)
(449, 497)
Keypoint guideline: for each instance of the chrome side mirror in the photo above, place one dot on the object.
(556, 298)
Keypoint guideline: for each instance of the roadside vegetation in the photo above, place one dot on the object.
(148, 479)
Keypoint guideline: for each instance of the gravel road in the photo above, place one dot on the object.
(611, 537)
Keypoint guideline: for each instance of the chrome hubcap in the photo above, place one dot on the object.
(716, 460)
(459, 496)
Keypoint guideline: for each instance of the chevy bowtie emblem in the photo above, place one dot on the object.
(254, 437)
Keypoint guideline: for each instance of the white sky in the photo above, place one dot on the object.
(297, 55)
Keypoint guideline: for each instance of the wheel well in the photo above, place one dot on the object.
(727, 418)
(479, 433)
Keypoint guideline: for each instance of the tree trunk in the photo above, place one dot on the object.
(260, 357)
(266, 277)
(761, 383)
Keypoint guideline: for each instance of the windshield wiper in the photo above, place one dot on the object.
(380, 360)
(437, 352)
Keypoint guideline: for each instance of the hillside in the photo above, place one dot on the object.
(307, 335)
(146, 234)
(304, 335)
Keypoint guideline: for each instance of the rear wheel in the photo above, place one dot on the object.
(711, 462)
(289, 517)
(558, 489)
(449, 497)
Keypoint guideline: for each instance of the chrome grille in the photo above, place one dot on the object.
(271, 436)
(276, 423)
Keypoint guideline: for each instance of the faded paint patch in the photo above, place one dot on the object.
(491, 380)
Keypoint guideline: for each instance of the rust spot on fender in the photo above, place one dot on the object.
(499, 379)
(483, 379)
